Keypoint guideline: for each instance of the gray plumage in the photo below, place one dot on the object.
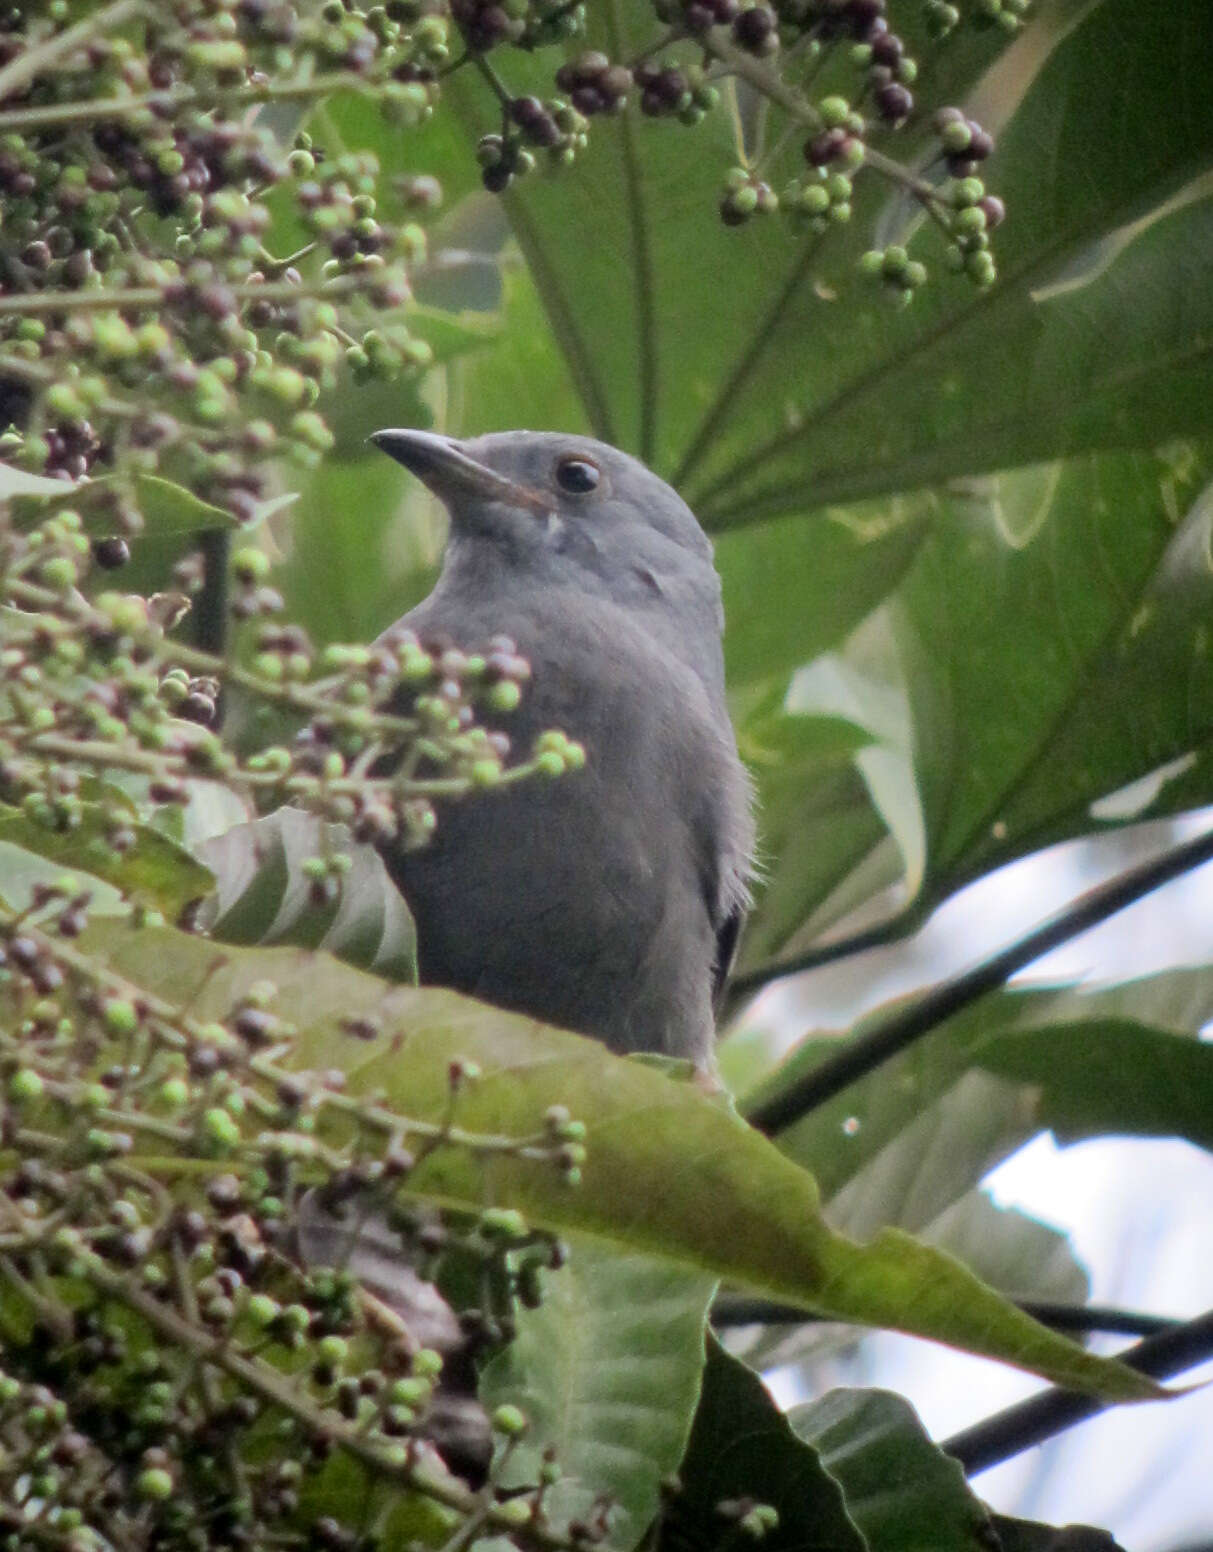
(607, 901)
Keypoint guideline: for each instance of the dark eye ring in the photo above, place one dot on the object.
(577, 476)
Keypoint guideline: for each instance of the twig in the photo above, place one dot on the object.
(40, 57)
(910, 1023)
(50, 115)
(880, 936)
(1008, 1433)
(265, 1381)
(139, 298)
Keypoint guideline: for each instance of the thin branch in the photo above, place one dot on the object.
(41, 57)
(262, 1379)
(1008, 1433)
(118, 299)
(880, 936)
(90, 110)
(209, 615)
(729, 1312)
(910, 1023)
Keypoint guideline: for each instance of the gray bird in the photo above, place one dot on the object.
(607, 901)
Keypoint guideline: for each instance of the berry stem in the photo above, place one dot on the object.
(202, 664)
(32, 62)
(172, 98)
(766, 81)
(157, 297)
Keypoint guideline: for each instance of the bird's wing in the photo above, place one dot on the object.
(727, 935)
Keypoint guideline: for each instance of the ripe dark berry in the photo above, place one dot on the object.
(755, 30)
(822, 148)
(981, 143)
(111, 553)
(893, 102)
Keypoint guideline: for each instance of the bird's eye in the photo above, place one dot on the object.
(577, 476)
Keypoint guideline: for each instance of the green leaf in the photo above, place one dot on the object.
(837, 832)
(900, 1104)
(1010, 1250)
(22, 871)
(797, 384)
(669, 1171)
(19, 482)
(902, 1491)
(1052, 662)
(365, 545)
(606, 1370)
(1110, 1075)
(154, 870)
(913, 1184)
(742, 1447)
(166, 508)
(263, 894)
(1097, 336)
(935, 1160)
(794, 588)
(1028, 1536)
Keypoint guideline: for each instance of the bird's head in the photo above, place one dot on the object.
(564, 511)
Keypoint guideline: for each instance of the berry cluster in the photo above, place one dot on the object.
(171, 1374)
(777, 48)
(98, 686)
(143, 323)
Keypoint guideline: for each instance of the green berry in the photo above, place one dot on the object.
(503, 696)
(509, 1420)
(59, 573)
(834, 111)
(155, 1484)
(219, 1126)
(175, 1093)
(25, 1086)
(251, 565)
(119, 1017)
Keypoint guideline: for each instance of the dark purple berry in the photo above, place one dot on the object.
(893, 102)
(111, 553)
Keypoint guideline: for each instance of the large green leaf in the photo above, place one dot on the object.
(607, 1372)
(670, 1172)
(793, 589)
(1098, 335)
(1049, 649)
(837, 829)
(153, 870)
(802, 386)
(167, 509)
(1111, 1076)
(1139, 1025)
(921, 1182)
(1055, 632)
(364, 547)
(743, 1448)
(263, 894)
(902, 1491)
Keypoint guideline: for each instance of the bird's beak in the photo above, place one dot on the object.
(449, 470)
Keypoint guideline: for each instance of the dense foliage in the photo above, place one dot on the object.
(954, 445)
